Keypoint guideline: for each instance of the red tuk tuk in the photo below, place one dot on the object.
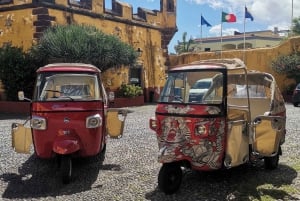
(235, 116)
(69, 116)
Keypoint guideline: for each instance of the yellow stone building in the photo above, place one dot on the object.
(22, 23)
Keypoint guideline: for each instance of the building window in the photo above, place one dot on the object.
(87, 4)
(6, 1)
(170, 6)
(135, 75)
(207, 49)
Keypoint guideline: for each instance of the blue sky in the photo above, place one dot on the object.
(267, 15)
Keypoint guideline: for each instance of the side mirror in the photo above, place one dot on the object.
(22, 97)
(111, 96)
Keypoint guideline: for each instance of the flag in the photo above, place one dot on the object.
(228, 17)
(204, 22)
(247, 14)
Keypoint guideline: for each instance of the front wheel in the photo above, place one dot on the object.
(101, 155)
(169, 178)
(66, 169)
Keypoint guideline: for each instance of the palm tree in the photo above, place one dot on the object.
(184, 46)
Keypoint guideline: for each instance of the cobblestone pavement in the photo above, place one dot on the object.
(130, 170)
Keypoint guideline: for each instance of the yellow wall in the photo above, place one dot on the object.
(16, 28)
(255, 59)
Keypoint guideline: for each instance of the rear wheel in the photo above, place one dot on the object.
(169, 178)
(66, 169)
(271, 163)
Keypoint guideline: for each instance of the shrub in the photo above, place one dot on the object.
(83, 44)
(129, 90)
(288, 65)
(17, 72)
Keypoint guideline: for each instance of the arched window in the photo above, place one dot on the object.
(170, 5)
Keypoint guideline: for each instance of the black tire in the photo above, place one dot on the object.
(66, 169)
(271, 163)
(169, 178)
(101, 154)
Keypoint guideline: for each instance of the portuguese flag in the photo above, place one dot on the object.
(227, 17)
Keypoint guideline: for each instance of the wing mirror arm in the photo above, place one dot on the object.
(22, 97)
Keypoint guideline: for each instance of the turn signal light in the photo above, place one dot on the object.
(153, 123)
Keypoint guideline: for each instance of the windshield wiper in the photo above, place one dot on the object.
(61, 92)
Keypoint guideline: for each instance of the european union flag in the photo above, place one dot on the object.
(204, 22)
(247, 14)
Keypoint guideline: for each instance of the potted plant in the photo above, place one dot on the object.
(129, 95)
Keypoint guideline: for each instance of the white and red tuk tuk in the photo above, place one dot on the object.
(235, 116)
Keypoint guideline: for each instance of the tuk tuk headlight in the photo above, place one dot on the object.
(93, 121)
(38, 123)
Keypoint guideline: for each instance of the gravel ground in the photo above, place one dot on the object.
(130, 170)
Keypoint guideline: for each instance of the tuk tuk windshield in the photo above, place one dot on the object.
(194, 87)
(67, 87)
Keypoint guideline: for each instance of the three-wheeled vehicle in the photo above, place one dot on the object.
(239, 118)
(69, 116)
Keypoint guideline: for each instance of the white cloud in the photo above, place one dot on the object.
(271, 12)
(212, 3)
(216, 31)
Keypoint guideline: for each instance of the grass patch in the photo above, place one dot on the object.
(296, 166)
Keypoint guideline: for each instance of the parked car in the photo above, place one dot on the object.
(199, 89)
(296, 95)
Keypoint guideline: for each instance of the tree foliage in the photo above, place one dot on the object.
(184, 46)
(296, 26)
(84, 44)
(17, 71)
(288, 65)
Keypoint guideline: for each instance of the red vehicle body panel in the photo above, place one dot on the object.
(66, 120)
(68, 67)
(179, 141)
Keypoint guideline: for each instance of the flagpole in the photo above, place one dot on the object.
(292, 18)
(221, 34)
(244, 33)
(201, 34)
